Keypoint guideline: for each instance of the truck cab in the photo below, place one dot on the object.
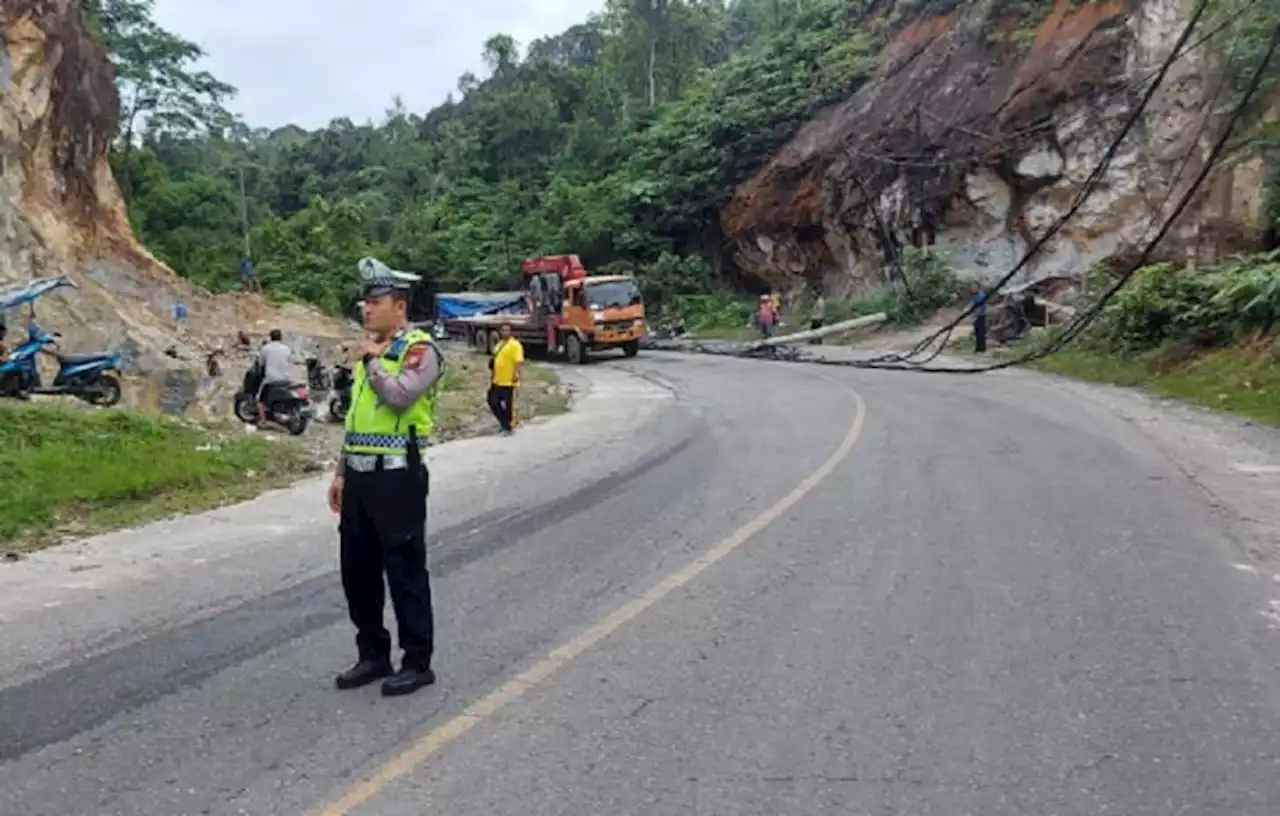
(564, 309)
(603, 312)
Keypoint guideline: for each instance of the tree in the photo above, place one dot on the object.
(619, 139)
(160, 89)
(501, 53)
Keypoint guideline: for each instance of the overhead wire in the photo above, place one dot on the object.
(1180, 50)
(903, 362)
(921, 160)
(1081, 321)
(1082, 195)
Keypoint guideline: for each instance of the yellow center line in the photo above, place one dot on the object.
(430, 743)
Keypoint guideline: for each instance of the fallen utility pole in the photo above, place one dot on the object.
(816, 334)
(778, 348)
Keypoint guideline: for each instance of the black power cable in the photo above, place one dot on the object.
(1084, 319)
(1081, 196)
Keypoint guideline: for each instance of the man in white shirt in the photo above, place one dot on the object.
(277, 369)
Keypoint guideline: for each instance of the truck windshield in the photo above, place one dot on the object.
(613, 293)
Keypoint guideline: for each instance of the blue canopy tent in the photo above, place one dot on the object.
(467, 304)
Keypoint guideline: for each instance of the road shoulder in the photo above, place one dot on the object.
(98, 593)
(1235, 462)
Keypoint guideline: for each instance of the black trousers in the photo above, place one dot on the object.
(980, 333)
(501, 399)
(815, 323)
(383, 529)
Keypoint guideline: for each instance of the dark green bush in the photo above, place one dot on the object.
(1207, 308)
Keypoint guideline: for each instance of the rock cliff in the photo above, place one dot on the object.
(61, 212)
(974, 132)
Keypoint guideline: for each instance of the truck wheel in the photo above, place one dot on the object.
(575, 350)
(494, 339)
(631, 349)
(477, 340)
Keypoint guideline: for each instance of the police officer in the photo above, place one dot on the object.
(380, 487)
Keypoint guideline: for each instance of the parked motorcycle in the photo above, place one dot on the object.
(93, 378)
(287, 405)
(318, 379)
(341, 401)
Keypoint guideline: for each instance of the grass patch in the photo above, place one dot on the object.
(462, 395)
(540, 374)
(76, 472)
(1242, 380)
(932, 284)
(463, 410)
(552, 404)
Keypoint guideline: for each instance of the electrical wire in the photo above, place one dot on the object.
(1081, 197)
(1084, 319)
(922, 160)
(900, 362)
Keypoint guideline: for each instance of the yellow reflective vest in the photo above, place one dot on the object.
(372, 426)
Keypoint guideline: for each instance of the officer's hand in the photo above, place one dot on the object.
(372, 348)
(335, 494)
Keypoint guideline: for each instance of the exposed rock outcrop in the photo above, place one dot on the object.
(974, 135)
(61, 212)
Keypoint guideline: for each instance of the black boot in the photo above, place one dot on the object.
(408, 680)
(364, 672)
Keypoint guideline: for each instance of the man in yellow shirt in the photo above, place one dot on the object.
(507, 365)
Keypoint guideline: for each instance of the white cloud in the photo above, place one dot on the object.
(309, 61)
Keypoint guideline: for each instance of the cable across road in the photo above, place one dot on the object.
(903, 362)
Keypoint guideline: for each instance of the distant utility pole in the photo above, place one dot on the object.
(244, 213)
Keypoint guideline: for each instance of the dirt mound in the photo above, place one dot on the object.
(61, 212)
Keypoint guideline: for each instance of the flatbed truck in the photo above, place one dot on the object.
(560, 308)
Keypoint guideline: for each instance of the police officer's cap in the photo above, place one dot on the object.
(378, 279)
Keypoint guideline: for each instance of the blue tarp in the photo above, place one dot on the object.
(11, 297)
(477, 303)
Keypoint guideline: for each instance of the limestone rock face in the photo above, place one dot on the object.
(61, 212)
(1001, 139)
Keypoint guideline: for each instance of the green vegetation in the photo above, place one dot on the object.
(462, 409)
(931, 285)
(552, 404)
(1241, 380)
(76, 472)
(1205, 336)
(619, 139)
(68, 471)
(1197, 309)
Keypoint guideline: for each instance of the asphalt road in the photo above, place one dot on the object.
(776, 589)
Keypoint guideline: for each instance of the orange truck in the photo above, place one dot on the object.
(559, 307)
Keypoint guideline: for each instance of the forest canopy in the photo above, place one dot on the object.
(618, 139)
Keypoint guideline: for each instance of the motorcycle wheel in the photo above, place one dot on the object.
(337, 410)
(297, 423)
(246, 409)
(105, 391)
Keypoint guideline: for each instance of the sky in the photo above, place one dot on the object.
(306, 62)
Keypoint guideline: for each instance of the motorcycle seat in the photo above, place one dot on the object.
(283, 389)
(81, 359)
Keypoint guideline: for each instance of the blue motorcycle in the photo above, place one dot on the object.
(93, 378)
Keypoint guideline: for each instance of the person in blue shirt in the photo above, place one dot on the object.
(248, 279)
(979, 300)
